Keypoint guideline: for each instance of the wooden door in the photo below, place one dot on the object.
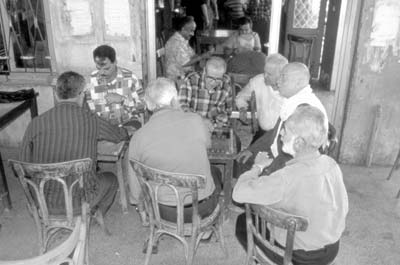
(305, 19)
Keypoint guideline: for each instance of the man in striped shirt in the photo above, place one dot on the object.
(68, 132)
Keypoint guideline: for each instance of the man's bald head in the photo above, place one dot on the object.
(294, 77)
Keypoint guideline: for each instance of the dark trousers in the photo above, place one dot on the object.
(205, 206)
(322, 256)
(105, 193)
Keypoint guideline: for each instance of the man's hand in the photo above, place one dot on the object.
(243, 156)
(114, 98)
(209, 125)
(262, 159)
(243, 116)
(212, 114)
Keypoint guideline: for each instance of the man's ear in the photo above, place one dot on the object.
(55, 96)
(298, 144)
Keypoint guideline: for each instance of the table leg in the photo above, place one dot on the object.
(122, 190)
(395, 166)
(228, 170)
(4, 191)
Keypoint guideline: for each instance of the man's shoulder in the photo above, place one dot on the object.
(193, 77)
(318, 165)
(257, 79)
(124, 72)
(94, 73)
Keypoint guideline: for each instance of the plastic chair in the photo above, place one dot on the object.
(300, 49)
(37, 179)
(258, 229)
(151, 180)
(72, 251)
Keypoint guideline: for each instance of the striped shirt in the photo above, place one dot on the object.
(259, 10)
(194, 96)
(67, 132)
(235, 8)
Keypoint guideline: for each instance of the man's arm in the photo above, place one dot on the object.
(257, 42)
(243, 97)
(109, 132)
(259, 190)
(224, 104)
(185, 94)
(262, 144)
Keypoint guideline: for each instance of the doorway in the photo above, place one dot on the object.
(309, 33)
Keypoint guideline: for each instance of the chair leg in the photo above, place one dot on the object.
(149, 245)
(222, 239)
(395, 166)
(98, 216)
(192, 250)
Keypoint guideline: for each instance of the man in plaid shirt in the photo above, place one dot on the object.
(113, 89)
(208, 92)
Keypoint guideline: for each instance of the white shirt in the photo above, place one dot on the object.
(304, 96)
(268, 101)
(177, 53)
(311, 186)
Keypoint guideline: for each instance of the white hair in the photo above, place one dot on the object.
(308, 122)
(216, 63)
(276, 60)
(160, 93)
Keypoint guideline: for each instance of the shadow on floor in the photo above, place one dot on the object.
(372, 235)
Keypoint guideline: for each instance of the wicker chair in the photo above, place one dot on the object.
(35, 179)
(257, 229)
(179, 229)
(72, 251)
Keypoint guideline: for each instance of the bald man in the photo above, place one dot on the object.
(208, 92)
(293, 86)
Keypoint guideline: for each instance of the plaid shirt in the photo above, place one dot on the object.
(125, 84)
(194, 96)
(260, 11)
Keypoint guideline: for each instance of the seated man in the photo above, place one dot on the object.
(268, 100)
(293, 86)
(113, 89)
(310, 185)
(209, 92)
(174, 141)
(67, 132)
(180, 58)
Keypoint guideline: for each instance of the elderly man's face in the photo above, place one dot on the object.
(107, 69)
(213, 78)
(271, 76)
(188, 30)
(287, 83)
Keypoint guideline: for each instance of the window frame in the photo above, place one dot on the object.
(28, 72)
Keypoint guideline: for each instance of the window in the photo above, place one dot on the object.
(23, 37)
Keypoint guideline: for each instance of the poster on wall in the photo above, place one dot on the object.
(384, 34)
(79, 17)
(117, 18)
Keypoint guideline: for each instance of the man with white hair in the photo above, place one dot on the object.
(175, 141)
(309, 185)
(293, 86)
(268, 100)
